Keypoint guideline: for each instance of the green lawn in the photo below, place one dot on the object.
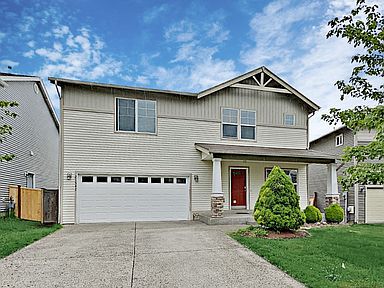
(317, 261)
(16, 234)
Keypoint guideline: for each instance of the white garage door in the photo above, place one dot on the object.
(127, 198)
(375, 204)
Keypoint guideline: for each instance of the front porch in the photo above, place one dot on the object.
(229, 217)
(238, 172)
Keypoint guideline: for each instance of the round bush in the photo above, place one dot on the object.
(334, 213)
(312, 214)
(277, 207)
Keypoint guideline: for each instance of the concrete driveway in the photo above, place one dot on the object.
(161, 254)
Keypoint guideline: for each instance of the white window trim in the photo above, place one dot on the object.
(33, 179)
(116, 125)
(238, 124)
(340, 136)
(294, 119)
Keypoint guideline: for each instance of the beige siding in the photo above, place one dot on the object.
(365, 136)
(256, 178)
(92, 146)
(270, 106)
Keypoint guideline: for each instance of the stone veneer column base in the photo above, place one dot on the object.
(217, 206)
(332, 199)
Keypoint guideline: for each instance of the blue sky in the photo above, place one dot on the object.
(179, 45)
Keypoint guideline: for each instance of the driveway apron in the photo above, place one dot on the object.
(142, 254)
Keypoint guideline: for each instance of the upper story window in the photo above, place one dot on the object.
(289, 119)
(135, 115)
(238, 124)
(339, 140)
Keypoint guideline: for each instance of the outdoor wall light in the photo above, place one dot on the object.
(69, 176)
(196, 178)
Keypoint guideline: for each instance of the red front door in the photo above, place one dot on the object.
(238, 187)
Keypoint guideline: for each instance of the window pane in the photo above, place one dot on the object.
(181, 180)
(155, 180)
(146, 124)
(289, 119)
(142, 179)
(146, 116)
(126, 115)
(230, 116)
(229, 131)
(248, 117)
(87, 179)
(129, 179)
(115, 179)
(247, 132)
(168, 180)
(102, 179)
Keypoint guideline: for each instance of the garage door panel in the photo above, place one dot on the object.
(119, 202)
(375, 205)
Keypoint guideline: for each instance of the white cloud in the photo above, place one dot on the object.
(299, 52)
(155, 12)
(4, 64)
(76, 56)
(31, 44)
(61, 31)
(195, 65)
(180, 32)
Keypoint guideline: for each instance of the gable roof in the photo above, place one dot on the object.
(280, 86)
(59, 81)
(337, 130)
(8, 77)
(254, 72)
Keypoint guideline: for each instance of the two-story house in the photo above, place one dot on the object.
(361, 203)
(132, 154)
(35, 136)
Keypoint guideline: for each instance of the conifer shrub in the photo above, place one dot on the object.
(312, 214)
(334, 213)
(277, 207)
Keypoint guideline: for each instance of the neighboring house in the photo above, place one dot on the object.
(35, 136)
(362, 204)
(132, 154)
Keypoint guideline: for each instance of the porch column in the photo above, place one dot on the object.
(217, 196)
(332, 196)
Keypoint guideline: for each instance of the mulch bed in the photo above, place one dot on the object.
(287, 234)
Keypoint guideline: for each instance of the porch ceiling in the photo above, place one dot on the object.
(242, 152)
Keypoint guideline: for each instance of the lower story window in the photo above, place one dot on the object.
(292, 173)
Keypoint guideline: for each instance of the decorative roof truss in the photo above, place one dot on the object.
(262, 81)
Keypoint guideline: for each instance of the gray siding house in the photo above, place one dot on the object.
(35, 136)
(361, 203)
(137, 154)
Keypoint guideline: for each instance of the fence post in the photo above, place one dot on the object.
(19, 201)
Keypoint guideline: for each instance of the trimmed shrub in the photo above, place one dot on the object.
(312, 214)
(334, 213)
(277, 207)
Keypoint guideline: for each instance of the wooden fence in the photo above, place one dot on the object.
(35, 204)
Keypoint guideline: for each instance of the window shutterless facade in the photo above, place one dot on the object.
(135, 115)
(238, 124)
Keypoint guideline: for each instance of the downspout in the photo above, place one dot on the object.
(309, 116)
(61, 168)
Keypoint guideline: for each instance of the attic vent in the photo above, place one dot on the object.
(36, 88)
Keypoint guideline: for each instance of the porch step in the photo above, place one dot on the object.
(229, 218)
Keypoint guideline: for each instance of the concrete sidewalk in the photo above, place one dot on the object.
(161, 254)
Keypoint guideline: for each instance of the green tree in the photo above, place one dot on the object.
(362, 28)
(6, 129)
(277, 207)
